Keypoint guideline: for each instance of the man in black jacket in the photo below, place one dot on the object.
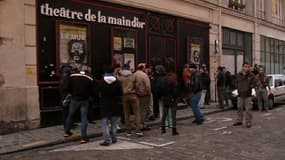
(80, 85)
(205, 81)
(221, 82)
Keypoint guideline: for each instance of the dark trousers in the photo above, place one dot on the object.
(155, 105)
(221, 96)
(169, 102)
(207, 97)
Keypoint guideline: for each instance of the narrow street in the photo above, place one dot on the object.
(216, 139)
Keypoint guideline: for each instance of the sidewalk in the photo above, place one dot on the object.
(42, 137)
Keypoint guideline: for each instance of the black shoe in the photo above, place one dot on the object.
(163, 129)
(248, 125)
(73, 126)
(195, 121)
(198, 122)
(92, 122)
(174, 132)
(237, 124)
(114, 141)
(105, 144)
(146, 129)
(151, 118)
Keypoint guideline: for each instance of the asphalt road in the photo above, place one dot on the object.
(217, 139)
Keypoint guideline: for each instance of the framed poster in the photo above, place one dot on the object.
(72, 43)
(117, 43)
(129, 42)
(119, 59)
(129, 58)
(195, 53)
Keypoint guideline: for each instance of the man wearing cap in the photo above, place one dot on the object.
(195, 89)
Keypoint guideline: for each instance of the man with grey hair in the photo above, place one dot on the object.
(143, 90)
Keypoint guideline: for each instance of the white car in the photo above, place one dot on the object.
(277, 85)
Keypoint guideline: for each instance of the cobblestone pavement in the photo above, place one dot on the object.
(26, 140)
(217, 139)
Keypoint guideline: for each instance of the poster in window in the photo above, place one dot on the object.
(119, 59)
(129, 59)
(195, 53)
(129, 42)
(117, 43)
(72, 43)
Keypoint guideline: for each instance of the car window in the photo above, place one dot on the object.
(278, 82)
(270, 80)
(283, 80)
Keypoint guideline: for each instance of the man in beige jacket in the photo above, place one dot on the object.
(130, 99)
(143, 90)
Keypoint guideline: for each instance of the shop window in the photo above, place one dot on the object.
(240, 39)
(124, 47)
(273, 52)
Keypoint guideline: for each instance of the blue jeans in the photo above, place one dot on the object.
(194, 101)
(109, 137)
(74, 105)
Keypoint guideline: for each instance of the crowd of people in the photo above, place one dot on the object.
(147, 94)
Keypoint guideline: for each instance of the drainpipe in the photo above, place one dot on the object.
(254, 58)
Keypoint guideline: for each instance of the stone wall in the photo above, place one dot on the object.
(19, 102)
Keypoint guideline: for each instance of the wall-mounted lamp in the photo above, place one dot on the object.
(216, 46)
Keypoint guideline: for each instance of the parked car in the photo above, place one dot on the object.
(277, 85)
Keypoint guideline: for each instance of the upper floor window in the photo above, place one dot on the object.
(277, 8)
(237, 4)
(260, 9)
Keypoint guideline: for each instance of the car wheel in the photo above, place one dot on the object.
(270, 103)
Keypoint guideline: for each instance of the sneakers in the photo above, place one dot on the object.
(139, 134)
(248, 125)
(237, 124)
(68, 134)
(129, 134)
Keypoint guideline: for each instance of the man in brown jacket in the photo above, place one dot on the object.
(245, 81)
(130, 99)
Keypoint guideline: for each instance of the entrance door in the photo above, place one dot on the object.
(162, 51)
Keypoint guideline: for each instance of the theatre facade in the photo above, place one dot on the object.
(97, 34)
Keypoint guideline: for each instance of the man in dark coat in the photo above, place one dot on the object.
(170, 95)
(80, 86)
(110, 92)
(221, 82)
(205, 84)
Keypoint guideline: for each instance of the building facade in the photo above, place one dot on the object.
(39, 36)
